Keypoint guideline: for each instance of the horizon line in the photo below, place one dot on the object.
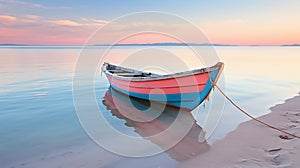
(141, 44)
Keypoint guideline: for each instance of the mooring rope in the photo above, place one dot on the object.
(247, 114)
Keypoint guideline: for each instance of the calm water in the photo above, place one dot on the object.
(39, 123)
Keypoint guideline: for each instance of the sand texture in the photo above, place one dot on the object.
(254, 145)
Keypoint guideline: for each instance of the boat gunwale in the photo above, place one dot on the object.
(153, 76)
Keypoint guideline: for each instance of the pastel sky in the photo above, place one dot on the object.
(240, 22)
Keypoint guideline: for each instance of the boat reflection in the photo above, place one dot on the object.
(150, 118)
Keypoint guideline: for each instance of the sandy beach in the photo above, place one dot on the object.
(254, 145)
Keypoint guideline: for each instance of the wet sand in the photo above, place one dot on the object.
(254, 145)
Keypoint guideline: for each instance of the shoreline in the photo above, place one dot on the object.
(249, 145)
(254, 145)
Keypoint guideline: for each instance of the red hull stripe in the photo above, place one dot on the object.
(197, 79)
(187, 84)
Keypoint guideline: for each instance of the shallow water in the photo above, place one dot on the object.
(38, 118)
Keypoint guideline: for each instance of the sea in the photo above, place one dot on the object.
(39, 121)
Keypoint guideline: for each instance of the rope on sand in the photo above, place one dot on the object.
(255, 119)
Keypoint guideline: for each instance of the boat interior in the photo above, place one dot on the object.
(120, 71)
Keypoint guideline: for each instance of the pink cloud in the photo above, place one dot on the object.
(92, 20)
(65, 23)
(7, 18)
(31, 29)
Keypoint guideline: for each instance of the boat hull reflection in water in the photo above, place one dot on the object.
(150, 118)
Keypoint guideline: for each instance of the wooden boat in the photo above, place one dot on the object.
(184, 89)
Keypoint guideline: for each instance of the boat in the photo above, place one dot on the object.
(138, 114)
(184, 90)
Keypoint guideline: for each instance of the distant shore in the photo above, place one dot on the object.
(151, 44)
(254, 145)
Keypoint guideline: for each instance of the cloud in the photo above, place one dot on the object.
(83, 22)
(34, 29)
(7, 18)
(28, 29)
(95, 22)
(28, 4)
(100, 21)
(42, 30)
(27, 19)
(66, 23)
(8, 21)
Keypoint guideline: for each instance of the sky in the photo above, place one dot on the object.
(237, 22)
